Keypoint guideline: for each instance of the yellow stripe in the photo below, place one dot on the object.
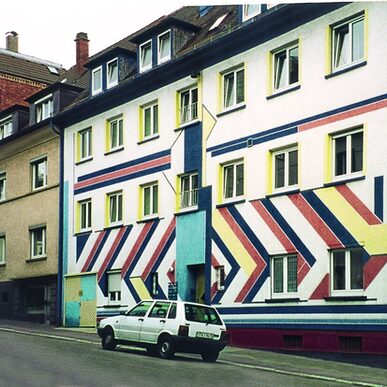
(374, 237)
(328, 50)
(140, 288)
(233, 244)
(269, 182)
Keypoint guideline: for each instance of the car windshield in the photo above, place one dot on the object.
(202, 314)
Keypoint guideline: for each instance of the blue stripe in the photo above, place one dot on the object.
(99, 249)
(123, 178)
(285, 227)
(133, 292)
(379, 197)
(131, 163)
(81, 241)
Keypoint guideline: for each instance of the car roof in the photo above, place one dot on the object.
(178, 302)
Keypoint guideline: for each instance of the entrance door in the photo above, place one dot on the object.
(197, 283)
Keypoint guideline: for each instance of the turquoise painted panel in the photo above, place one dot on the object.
(88, 286)
(73, 313)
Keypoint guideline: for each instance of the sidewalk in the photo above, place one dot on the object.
(350, 369)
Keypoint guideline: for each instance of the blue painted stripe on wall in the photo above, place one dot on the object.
(193, 149)
(379, 197)
(81, 241)
(98, 251)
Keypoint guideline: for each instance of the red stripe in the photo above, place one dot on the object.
(92, 252)
(214, 261)
(135, 248)
(213, 290)
(358, 205)
(171, 274)
(303, 268)
(248, 285)
(322, 289)
(158, 250)
(272, 224)
(372, 268)
(123, 172)
(111, 252)
(317, 223)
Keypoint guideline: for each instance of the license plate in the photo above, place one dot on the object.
(204, 335)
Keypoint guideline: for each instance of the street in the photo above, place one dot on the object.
(27, 360)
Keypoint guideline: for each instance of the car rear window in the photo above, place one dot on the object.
(202, 314)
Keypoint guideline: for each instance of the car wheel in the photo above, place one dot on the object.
(210, 356)
(108, 340)
(151, 351)
(165, 348)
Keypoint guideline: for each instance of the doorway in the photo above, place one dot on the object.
(197, 283)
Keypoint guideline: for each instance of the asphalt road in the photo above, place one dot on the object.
(40, 361)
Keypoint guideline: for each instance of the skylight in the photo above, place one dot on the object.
(218, 22)
(53, 70)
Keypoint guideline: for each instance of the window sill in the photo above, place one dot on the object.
(83, 232)
(187, 210)
(30, 260)
(112, 226)
(281, 300)
(115, 150)
(285, 192)
(85, 160)
(344, 181)
(38, 189)
(231, 110)
(283, 92)
(150, 219)
(346, 69)
(230, 203)
(187, 124)
(347, 298)
(3, 264)
(147, 139)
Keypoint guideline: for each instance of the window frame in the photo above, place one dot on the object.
(189, 109)
(3, 186)
(88, 213)
(285, 276)
(275, 54)
(234, 195)
(220, 276)
(89, 144)
(246, 15)
(160, 59)
(153, 212)
(155, 283)
(234, 71)
(34, 163)
(192, 192)
(154, 123)
(286, 151)
(110, 83)
(95, 91)
(3, 249)
(150, 65)
(6, 127)
(110, 292)
(33, 241)
(119, 209)
(119, 121)
(40, 110)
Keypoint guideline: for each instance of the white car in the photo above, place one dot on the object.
(166, 327)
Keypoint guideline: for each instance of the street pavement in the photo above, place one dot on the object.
(337, 368)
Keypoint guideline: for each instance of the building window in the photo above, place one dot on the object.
(233, 180)
(3, 184)
(5, 128)
(347, 270)
(96, 80)
(285, 168)
(85, 144)
(114, 288)
(115, 207)
(188, 105)
(155, 284)
(348, 153)
(189, 190)
(39, 173)
(150, 197)
(286, 68)
(116, 133)
(250, 10)
(284, 275)
(233, 88)
(112, 73)
(146, 56)
(150, 120)
(164, 47)
(220, 277)
(348, 43)
(44, 109)
(38, 242)
(2, 249)
(84, 208)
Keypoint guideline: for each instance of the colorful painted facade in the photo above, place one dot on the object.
(246, 172)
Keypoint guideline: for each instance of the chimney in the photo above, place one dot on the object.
(12, 41)
(82, 50)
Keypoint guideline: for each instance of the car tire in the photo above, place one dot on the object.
(108, 341)
(210, 356)
(152, 351)
(165, 347)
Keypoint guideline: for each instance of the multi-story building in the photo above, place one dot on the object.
(234, 155)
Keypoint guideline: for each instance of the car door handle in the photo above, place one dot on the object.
(162, 321)
(140, 319)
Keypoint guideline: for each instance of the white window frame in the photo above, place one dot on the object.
(234, 103)
(6, 127)
(245, 11)
(34, 164)
(3, 249)
(149, 66)
(285, 277)
(154, 124)
(111, 83)
(349, 54)
(44, 108)
(347, 274)
(348, 135)
(119, 122)
(114, 290)
(275, 55)
(115, 217)
(188, 113)
(3, 186)
(220, 277)
(152, 210)
(85, 215)
(85, 138)
(161, 59)
(95, 90)
(285, 152)
(155, 283)
(234, 195)
(189, 198)
(33, 242)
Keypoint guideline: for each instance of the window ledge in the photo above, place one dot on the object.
(347, 298)
(281, 300)
(281, 193)
(344, 181)
(149, 138)
(30, 260)
(118, 149)
(186, 211)
(150, 219)
(231, 203)
(83, 232)
(187, 125)
(3, 264)
(85, 160)
(346, 69)
(284, 91)
(231, 110)
(112, 226)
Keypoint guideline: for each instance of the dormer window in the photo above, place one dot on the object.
(164, 47)
(96, 80)
(44, 108)
(250, 10)
(112, 73)
(5, 127)
(146, 56)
